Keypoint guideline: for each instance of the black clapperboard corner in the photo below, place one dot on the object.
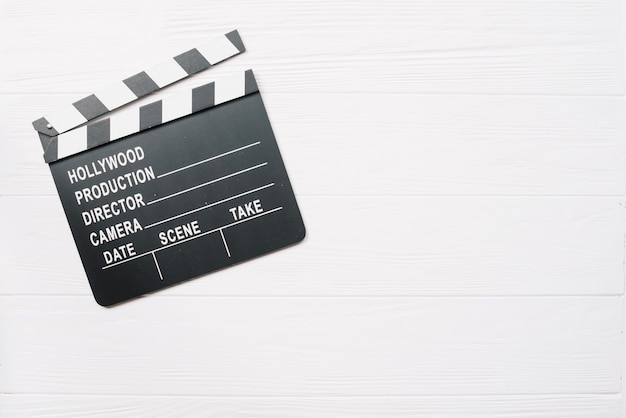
(177, 188)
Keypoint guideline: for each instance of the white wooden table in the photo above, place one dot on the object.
(460, 167)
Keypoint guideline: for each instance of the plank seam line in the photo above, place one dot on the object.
(360, 92)
(323, 396)
(296, 296)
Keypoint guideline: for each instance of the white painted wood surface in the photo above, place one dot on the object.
(460, 168)
(419, 245)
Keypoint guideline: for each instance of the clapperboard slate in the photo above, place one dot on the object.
(174, 189)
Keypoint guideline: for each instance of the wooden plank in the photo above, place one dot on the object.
(372, 246)
(394, 46)
(529, 406)
(312, 346)
(403, 144)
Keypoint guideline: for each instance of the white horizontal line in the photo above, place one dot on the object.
(207, 183)
(210, 205)
(207, 160)
(414, 296)
(194, 237)
(125, 395)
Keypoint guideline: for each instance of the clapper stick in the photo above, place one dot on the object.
(141, 84)
(131, 121)
(175, 189)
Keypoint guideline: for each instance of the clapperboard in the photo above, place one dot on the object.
(174, 189)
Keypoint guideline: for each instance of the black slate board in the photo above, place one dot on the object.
(214, 193)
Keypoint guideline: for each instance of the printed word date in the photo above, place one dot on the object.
(119, 254)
